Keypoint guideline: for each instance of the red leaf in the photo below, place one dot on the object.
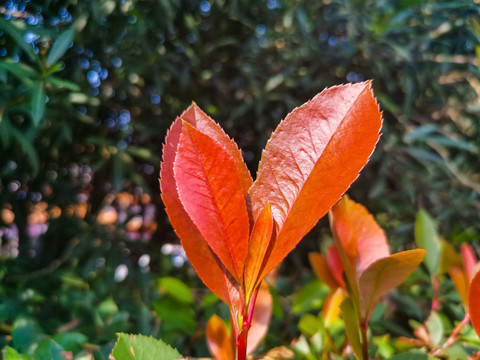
(258, 244)
(322, 270)
(262, 314)
(474, 303)
(469, 259)
(218, 339)
(361, 237)
(335, 264)
(312, 158)
(196, 248)
(211, 193)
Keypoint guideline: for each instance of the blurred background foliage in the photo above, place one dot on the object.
(88, 89)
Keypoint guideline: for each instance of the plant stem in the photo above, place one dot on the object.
(364, 328)
(242, 344)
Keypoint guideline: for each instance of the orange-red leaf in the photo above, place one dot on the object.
(312, 158)
(384, 275)
(362, 238)
(218, 339)
(194, 244)
(321, 269)
(474, 302)
(202, 122)
(209, 189)
(262, 314)
(460, 281)
(469, 259)
(259, 242)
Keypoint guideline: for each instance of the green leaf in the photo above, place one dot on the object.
(48, 350)
(63, 84)
(426, 238)
(107, 308)
(411, 355)
(60, 46)
(352, 326)
(176, 316)
(27, 148)
(435, 327)
(139, 347)
(17, 35)
(12, 354)
(176, 289)
(26, 334)
(310, 297)
(277, 310)
(38, 103)
(310, 324)
(71, 341)
(20, 70)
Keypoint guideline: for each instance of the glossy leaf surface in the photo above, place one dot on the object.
(211, 194)
(218, 339)
(384, 275)
(312, 158)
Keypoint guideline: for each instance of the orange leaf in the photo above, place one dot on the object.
(469, 259)
(474, 302)
(460, 281)
(207, 266)
(262, 314)
(218, 339)
(362, 238)
(383, 275)
(210, 191)
(312, 158)
(321, 269)
(258, 245)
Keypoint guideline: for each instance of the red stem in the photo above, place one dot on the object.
(242, 337)
(242, 342)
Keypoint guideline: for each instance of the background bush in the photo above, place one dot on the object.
(89, 88)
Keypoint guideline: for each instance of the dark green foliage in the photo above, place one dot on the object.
(88, 88)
